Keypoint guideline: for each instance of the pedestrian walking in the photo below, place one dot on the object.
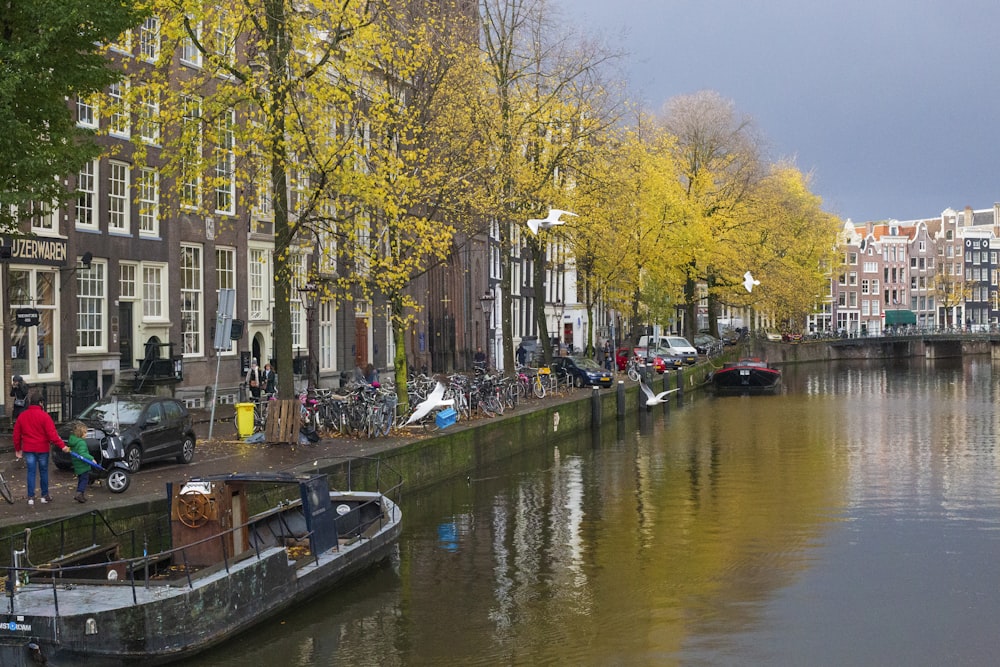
(521, 353)
(253, 380)
(270, 381)
(19, 393)
(77, 445)
(34, 434)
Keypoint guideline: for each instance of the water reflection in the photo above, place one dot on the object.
(850, 519)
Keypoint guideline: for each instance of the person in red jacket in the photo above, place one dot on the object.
(34, 434)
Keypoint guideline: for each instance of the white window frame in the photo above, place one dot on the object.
(225, 163)
(148, 122)
(148, 194)
(149, 39)
(225, 278)
(192, 290)
(87, 209)
(128, 273)
(92, 307)
(119, 201)
(119, 118)
(190, 55)
(154, 292)
(190, 190)
(86, 113)
(259, 283)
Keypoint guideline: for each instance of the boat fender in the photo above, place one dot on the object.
(35, 651)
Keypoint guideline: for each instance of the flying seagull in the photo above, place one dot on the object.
(749, 281)
(654, 399)
(434, 400)
(552, 220)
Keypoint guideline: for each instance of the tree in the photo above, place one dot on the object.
(545, 100)
(50, 51)
(718, 157)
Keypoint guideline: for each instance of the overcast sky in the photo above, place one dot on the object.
(892, 105)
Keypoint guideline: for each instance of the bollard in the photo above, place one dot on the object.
(680, 383)
(666, 386)
(621, 399)
(595, 407)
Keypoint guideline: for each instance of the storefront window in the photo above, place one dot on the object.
(33, 349)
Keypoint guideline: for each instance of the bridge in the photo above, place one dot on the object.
(931, 344)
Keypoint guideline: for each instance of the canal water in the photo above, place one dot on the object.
(853, 519)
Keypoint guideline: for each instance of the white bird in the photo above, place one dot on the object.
(434, 400)
(654, 399)
(552, 220)
(749, 281)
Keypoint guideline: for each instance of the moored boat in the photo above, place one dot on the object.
(747, 375)
(226, 566)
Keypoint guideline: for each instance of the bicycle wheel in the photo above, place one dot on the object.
(539, 387)
(5, 491)
(633, 374)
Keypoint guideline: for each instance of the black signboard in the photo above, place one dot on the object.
(26, 317)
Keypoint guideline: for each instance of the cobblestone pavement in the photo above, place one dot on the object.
(223, 453)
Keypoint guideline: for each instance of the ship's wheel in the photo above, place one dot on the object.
(192, 509)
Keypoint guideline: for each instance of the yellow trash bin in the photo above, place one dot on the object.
(244, 419)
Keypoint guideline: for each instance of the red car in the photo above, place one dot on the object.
(621, 357)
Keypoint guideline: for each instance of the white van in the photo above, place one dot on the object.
(676, 346)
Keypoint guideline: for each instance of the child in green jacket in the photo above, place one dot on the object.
(78, 445)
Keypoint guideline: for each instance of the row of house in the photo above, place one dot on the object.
(930, 273)
(119, 288)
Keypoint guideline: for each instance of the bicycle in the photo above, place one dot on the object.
(5, 490)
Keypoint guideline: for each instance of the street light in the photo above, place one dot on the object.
(487, 300)
(560, 309)
(308, 291)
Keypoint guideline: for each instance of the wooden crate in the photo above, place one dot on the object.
(284, 419)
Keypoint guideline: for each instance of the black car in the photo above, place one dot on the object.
(151, 428)
(583, 370)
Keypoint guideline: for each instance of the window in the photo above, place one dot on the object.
(191, 300)
(257, 272)
(852, 279)
(225, 268)
(153, 292)
(86, 200)
(190, 55)
(86, 113)
(148, 121)
(864, 286)
(225, 272)
(44, 218)
(149, 39)
(118, 197)
(852, 258)
(190, 177)
(149, 202)
(118, 121)
(90, 305)
(224, 39)
(225, 164)
(33, 349)
(126, 280)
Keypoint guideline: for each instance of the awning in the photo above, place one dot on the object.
(897, 317)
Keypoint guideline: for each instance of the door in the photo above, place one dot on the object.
(85, 390)
(126, 356)
(360, 342)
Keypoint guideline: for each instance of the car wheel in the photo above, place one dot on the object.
(578, 381)
(187, 450)
(118, 480)
(133, 457)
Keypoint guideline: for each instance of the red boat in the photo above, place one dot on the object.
(747, 376)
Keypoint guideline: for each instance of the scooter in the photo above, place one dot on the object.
(111, 466)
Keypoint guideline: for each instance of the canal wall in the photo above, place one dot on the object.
(422, 458)
(872, 348)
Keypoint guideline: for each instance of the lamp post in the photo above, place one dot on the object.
(307, 291)
(560, 310)
(487, 300)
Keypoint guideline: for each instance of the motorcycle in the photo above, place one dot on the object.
(111, 466)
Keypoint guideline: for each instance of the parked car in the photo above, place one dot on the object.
(151, 428)
(663, 362)
(707, 344)
(584, 371)
(622, 356)
(772, 335)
